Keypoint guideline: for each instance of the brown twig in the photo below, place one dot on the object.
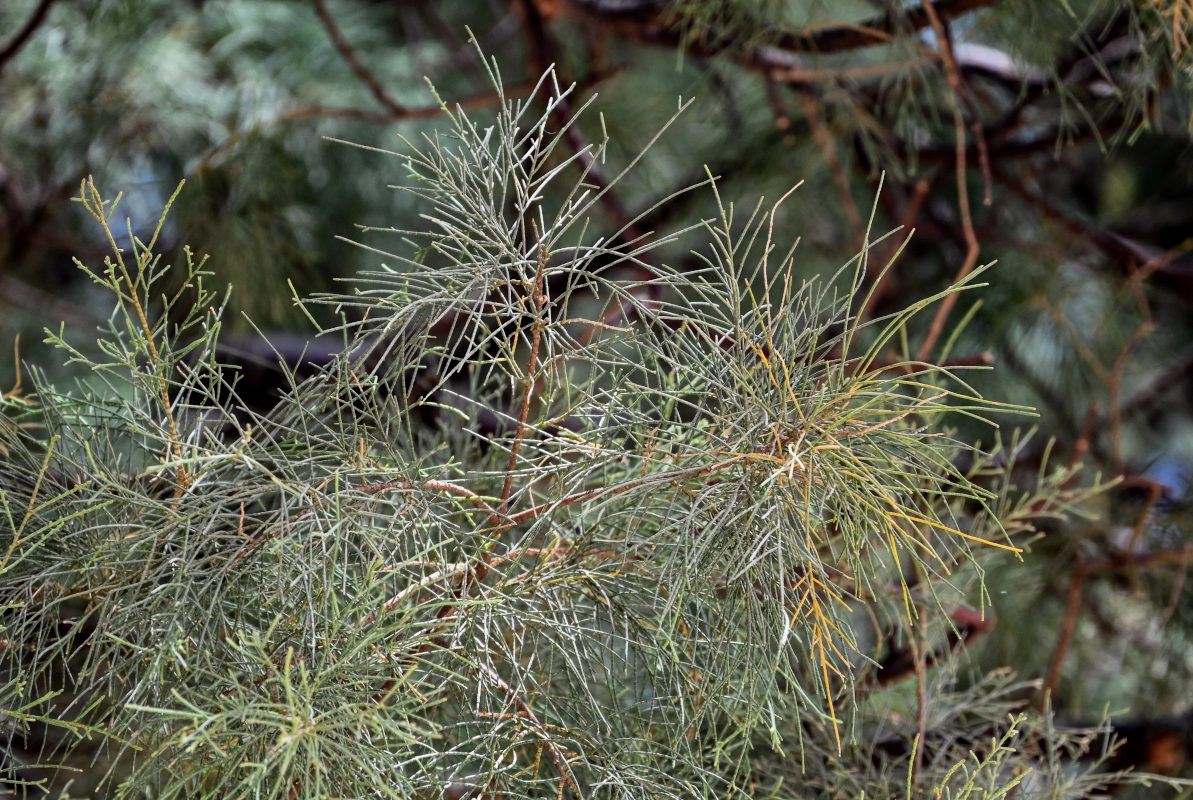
(1178, 587)
(648, 23)
(25, 33)
(807, 77)
(967, 626)
(918, 648)
(1129, 255)
(1114, 379)
(557, 756)
(1073, 603)
(539, 298)
(609, 491)
(778, 110)
(971, 239)
(882, 282)
(1155, 491)
(833, 160)
(975, 125)
(541, 52)
(344, 48)
(1085, 438)
(445, 487)
(1065, 636)
(979, 136)
(1127, 562)
(1151, 394)
(480, 100)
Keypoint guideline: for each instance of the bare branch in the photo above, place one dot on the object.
(25, 33)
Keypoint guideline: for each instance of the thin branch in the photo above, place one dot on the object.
(540, 300)
(808, 77)
(439, 486)
(918, 648)
(480, 100)
(1154, 392)
(971, 239)
(829, 149)
(1124, 563)
(979, 136)
(557, 756)
(25, 33)
(967, 626)
(607, 491)
(1129, 255)
(344, 48)
(1114, 380)
(541, 52)
(652, 24)
(542, 55)
(1065, 636)
(883, 281)
(782, 118)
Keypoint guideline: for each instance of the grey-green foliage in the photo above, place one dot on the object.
(660, 576)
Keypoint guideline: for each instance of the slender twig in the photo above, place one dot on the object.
(918, 648)
(971, 239)
(609, 491)
(1151, 394)
(1085, 439)
(967, 626)
(1123, 563)
(557, 756)
(647, 23)
(445, 487)
(778, 110)
(94, 204)
(1178, 587)
(1114, 380)
(539, 298)
(807, 77)
(821, 135)
(541, 52)
(480, 100)
(25, 33)
(979, 137)
(882, 278)
(1065, 636)
(433, 485)
(1116, 249)
(344, 48)
(448, 571)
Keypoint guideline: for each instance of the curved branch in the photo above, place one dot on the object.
(653, 23)
(25, 33)
(346, 52)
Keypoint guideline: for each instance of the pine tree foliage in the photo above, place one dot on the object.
(610, 493)
(655, 579)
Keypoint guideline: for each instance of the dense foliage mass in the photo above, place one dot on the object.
(625, 463)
